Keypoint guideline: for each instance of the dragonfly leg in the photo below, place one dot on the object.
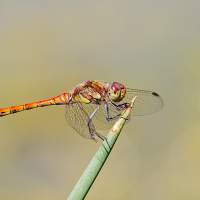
(107, 114)
(120, 106)
(117, 107)
(93, 114)
(91, 130)
(93, 133)
(102, 137)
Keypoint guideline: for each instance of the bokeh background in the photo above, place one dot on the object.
(48, 47)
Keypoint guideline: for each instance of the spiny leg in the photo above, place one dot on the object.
(107, 114)
(102, 137)
(117, 107)
(92, 132)
(92, 115)
(120, 106)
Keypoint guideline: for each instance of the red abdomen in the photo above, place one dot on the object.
(59, 100)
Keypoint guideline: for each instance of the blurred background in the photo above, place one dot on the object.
(48, 47)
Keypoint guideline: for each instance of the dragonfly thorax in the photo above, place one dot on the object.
(117, 92)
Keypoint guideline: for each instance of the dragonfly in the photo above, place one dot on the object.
(96, 105)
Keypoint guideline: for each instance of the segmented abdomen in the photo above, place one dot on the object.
(59, 100)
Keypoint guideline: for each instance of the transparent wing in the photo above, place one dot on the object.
(77, 115)
(147, 102)
(99, 120)
(77, 118)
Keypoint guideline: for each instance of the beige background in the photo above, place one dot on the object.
(48, 47)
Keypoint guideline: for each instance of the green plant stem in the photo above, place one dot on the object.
(85, 182)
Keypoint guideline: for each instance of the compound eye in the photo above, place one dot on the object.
(115, 87)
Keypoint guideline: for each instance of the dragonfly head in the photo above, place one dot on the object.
(117, 92)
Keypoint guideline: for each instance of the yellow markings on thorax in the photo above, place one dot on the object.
(81, 99)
